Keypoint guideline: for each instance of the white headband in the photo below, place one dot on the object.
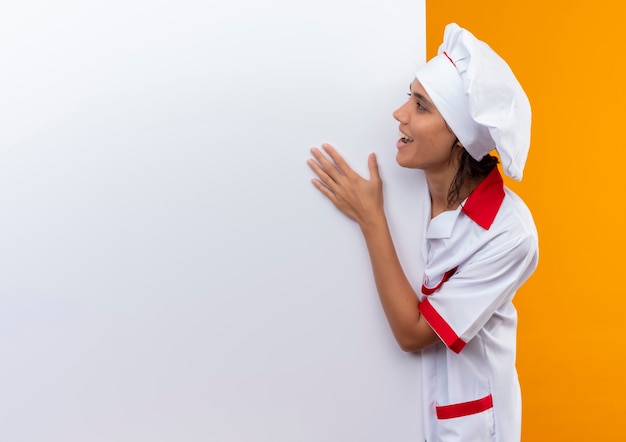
(479, 97)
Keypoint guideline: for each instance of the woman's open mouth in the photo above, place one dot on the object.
(404, 140)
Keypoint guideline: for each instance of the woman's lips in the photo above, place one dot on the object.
(403, 141)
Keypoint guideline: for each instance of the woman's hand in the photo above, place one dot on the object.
(359, 199)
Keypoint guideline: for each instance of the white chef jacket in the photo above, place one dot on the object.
(476, 258)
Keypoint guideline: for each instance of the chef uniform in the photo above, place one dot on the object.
(478, 255)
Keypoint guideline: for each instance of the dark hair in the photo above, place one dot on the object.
(469, 168)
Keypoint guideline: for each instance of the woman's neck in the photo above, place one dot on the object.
(439, 188)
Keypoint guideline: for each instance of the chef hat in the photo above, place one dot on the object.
(479, 97)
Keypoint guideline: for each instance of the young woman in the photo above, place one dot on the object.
(480, 245)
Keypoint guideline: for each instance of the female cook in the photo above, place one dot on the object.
(480, 244)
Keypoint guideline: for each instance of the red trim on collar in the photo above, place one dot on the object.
(484, 202)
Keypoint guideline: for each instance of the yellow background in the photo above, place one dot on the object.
(569, 56)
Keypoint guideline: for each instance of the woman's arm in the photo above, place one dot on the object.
(362, 201)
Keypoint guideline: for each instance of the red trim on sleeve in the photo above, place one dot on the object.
(441, 327)
(429, 291)
(465, 408)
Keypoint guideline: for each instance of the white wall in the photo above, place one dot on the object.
(167, 271)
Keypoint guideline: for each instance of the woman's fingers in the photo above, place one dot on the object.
(324, 169)
(356, 197)
(319, 171)
(340, 163)
(326, 185)
(330, 182)
(372, 163)
(325, 190)
(326, 165)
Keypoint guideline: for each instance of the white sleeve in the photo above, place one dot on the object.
(462, 304)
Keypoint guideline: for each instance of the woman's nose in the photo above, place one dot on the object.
(400, 114)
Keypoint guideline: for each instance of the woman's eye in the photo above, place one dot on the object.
(418, 103)
(420, 106)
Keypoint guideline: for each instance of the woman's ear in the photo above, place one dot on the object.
(456, 145)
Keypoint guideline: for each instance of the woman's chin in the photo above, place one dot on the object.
(403, 162)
